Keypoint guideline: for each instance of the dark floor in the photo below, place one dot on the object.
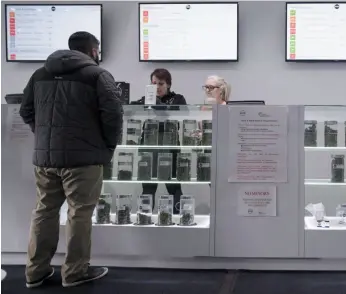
(160, 281)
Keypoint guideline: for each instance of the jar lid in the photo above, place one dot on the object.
(338, 156)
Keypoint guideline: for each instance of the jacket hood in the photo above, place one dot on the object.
(64, 61)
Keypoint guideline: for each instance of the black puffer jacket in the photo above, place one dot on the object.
(72, 107)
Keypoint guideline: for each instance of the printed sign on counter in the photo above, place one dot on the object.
(258, 144)
(257, 201)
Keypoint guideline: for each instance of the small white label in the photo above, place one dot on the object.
(150, 94)
(184, 164)
(143, 163)
(338, 166)
(165, 163)
(204, 165)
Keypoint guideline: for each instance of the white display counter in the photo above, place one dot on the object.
(221, 238)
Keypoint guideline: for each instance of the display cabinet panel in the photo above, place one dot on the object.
(325, 184)
(158, 183)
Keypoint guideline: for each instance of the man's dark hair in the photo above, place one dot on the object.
(163, 75)
(83, 42)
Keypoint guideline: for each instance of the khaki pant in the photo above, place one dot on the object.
(81, 188)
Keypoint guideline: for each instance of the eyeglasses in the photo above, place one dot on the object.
(209, 87)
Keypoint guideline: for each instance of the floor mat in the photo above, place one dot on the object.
(125, 281)
(290, 283)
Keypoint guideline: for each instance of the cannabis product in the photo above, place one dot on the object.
(184, 167)
(103, 209)
(338, 168)
(171, 133)
(207, 129)
(187, 210)
(330, 133)
(189, 127)
(144, 210)
(123, 206)
(125, 166)
(310, 134)
(145, 163)
(108, 170)
(203, 167)
(165, 210)
(341, 213)
(151, 132)
(164, 166)
(133, 132)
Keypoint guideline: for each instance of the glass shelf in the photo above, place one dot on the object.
(311, 182)
(192, 182)
(134, 147)
(325, 148)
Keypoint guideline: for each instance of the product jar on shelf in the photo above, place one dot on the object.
(144, 210)
(108, 170)
(145, 166)
(165, 211)
(164, 166)
(187, 210)
(310, 133)
(123, 207)
(203, 167)
(103, 209)
(151, 132)
(330, 133)
(338, 169)
(171, 133)
(189, 128)
(184, 166)
(207, 132)
(133, 132)
(125, 166)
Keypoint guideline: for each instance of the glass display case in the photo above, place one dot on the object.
(325, 152)
(164, 153)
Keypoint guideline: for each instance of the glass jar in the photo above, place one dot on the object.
(187, 210)
(145, 164)
(165, 211)
(189, 128)
(171, 133)
(341, 213)
(338, 169)
(133, 132)
(330, 133)
(207, 130)
(144, 210)
(125, 166)
(164, 166)
(123, 207)
(103, 209)
(310, 133)
(151, 132)
(108, 170)
(184, 166)
(203, 167)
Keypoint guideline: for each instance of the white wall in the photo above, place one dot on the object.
(261, 72)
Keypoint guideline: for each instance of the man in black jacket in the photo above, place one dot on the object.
(72, 107)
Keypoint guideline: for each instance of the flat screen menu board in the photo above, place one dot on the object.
(33, 32)
(188, 31)
(316, 31)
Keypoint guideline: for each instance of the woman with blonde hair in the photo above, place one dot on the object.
(217, 90)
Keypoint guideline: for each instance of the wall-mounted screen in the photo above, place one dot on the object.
(33, 32)
(188, 31)
(316, 31)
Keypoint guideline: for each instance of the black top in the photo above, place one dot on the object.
(72, 107)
